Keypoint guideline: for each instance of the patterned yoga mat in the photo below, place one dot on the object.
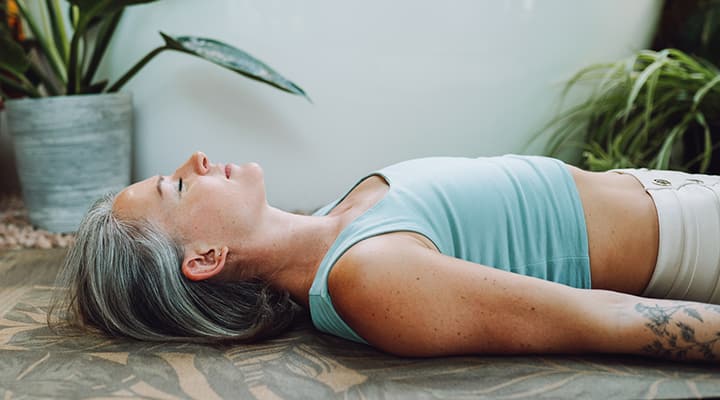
(302, 364)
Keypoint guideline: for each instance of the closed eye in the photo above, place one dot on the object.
(180, 185)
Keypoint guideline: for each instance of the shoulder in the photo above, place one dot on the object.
(371, 256)
(365, 284)
(364, 260)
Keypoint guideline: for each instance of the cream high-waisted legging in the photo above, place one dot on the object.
(688, 208)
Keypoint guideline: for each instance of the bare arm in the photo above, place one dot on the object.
(412, 301)
(677, 330)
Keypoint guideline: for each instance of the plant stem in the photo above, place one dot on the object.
(58, 25)
(135, 69)
(29, 84)
(74, 68)
(49, 84)
(28, 90)
(46, 28)
(83, 50)
(52, 54)
(72, 65)
(101, 45)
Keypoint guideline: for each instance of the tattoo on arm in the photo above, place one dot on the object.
(675, 327)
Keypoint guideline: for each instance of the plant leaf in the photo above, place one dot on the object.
(101, 43)
(698, 97)
(707, 153)
(59, 35)
(644, 76)
(662, 161)
(12, 56)
(97, 87)
(232, 58)
(110, 8)
(49, 50)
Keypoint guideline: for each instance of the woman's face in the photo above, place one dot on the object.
(201, 203)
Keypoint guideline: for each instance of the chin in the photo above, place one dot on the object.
(254, 172)
(255, 167)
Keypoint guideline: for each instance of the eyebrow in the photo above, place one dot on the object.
(157, 185)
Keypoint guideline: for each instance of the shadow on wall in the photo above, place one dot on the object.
(9, 183)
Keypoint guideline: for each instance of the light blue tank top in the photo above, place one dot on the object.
(516, 213)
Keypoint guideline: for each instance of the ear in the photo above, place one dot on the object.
(204, 264)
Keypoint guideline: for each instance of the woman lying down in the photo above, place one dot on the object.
(428, 257)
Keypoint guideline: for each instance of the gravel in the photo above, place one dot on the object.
(16, 232)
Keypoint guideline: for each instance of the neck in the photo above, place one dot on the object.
(288, 251)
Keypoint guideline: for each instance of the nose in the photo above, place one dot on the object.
(197, 163)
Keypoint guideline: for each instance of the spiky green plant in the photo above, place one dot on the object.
(72, 58)
(639, 112)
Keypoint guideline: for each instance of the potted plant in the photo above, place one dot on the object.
(640, 111)
(71, 132)
(657, 109)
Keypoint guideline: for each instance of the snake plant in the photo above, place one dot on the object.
(656, 109)
(57, 62)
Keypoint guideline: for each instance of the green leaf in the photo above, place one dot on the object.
(640, 82)
(89, 13)
(662, 160)
(74, 15)
(20, 83)
(700, 94)
(565, 130)
(86, 16)
(583, 74)
(232, 58)
(111, 7)
(48, 49)
(12, 56)
(707, 153)
(58, 28)
(134, 70)
(101, 43)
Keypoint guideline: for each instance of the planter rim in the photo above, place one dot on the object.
(72, 97)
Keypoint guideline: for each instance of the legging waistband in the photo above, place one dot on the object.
(688, 208)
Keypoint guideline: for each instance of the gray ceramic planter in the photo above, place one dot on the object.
(70, 150)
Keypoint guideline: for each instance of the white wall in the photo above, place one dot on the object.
(390, 80)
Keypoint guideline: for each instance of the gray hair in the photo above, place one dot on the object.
(123, 278)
